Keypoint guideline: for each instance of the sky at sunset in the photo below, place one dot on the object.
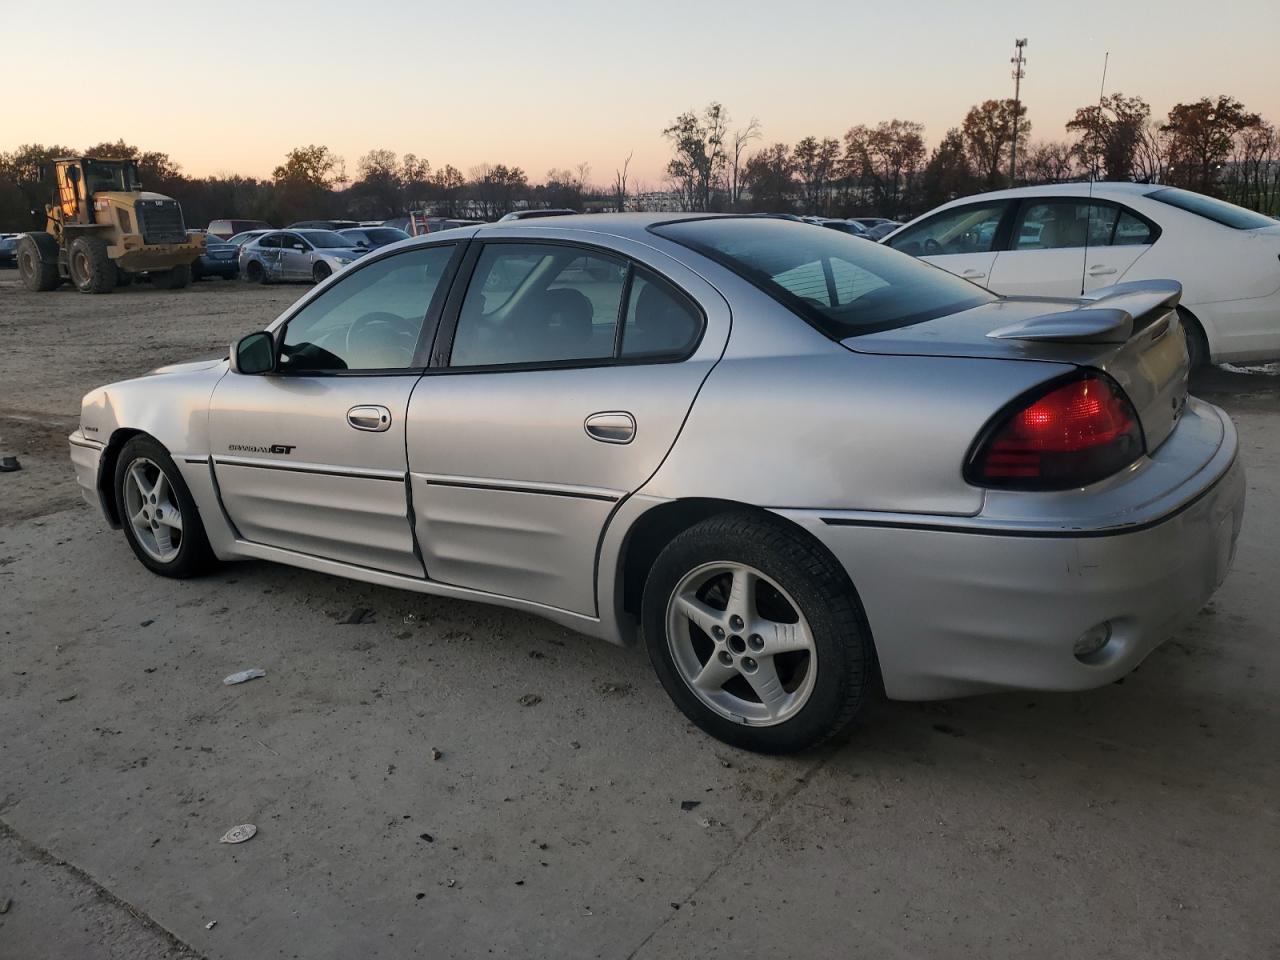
(231, 86)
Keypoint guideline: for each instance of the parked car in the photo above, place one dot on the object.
(323, 225)
(940, 491)
(240, 239)
(8, 249)
(218, 260)
(371, 238)
(882, 230)
(1068, 239)
(844, 226)
(536, 214)
(226, 229)
(868, 222)
(419, 224)
(296, 255)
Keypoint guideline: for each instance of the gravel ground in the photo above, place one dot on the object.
(447, 779)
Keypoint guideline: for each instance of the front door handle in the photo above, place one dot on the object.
(1098, 270)
(611, 426)
(371, 417)
(973, 274)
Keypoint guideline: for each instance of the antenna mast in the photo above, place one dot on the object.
(1093, 172)
(1018, 61)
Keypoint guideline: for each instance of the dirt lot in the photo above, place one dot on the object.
(1137, 820)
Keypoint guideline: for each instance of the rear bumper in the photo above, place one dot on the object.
(86, 458)
(960, 606)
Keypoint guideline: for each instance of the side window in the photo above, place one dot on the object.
(539, 303)
(970, 229)
(1130, 231)
(1062, 224)
(369, 320)
(659, 323)
(271, 241)
(291, 240)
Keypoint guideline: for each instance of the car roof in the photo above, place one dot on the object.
(1100, 188)
(629, 225)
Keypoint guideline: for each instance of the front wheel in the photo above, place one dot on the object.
(757, 634)
(321, 272)
(174, 279)
(159, 516)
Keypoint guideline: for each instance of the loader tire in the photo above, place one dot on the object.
(38, 262)
(92, 271)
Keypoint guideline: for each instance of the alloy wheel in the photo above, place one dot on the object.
(153, 510)
(741, 644)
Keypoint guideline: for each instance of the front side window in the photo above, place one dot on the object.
(970, 229)
(370, 319)
(291, 241)
(326, 239)
(840, 284)
(539, 303)
(272, 241)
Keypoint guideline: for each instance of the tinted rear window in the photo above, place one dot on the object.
(1219, 211)
(841, 284)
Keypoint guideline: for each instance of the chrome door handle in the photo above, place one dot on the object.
(372, 418)
(973, 274)
(611, 426)
(1098, 270)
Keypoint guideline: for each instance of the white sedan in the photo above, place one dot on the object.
(1068, 239)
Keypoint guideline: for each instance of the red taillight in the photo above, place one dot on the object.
(1074, 434)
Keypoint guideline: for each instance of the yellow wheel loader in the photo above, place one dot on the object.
(104, 229)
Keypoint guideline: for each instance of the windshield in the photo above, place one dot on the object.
(100, 176)
(841, 284)
(1219, 211)
(325, 238)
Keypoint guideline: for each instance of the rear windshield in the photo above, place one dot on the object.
(1219, 211)
(326, 238)
(843, 285)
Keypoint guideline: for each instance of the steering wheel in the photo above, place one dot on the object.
(932, 247)
(403, 330)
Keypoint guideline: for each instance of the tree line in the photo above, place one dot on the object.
(1211, 145)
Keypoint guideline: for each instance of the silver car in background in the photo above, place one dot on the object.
(798, 467)
(283, 255)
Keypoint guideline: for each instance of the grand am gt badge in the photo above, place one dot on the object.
(283, 448)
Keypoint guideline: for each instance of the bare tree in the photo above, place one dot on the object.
(620, 184)
(741, 138)
(699, 161)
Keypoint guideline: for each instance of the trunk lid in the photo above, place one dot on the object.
(1131, 331)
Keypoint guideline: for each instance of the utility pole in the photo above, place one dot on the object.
(1018, 61)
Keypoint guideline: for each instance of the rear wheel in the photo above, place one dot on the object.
(1197, 342)
(38, 262)
(195, 271)
(321, 272)
(92, 271)
(158, 514)
(174, 279)
(123, 277)
(254, 273)
(756, 634)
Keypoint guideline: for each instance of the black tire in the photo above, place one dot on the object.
(820, 589)
(92, 271)
(1197, 342)
(194, 555)
(174, 279)
(196, 275)
(321, 272)
(37, 256)
(123, 278)
(254, 273)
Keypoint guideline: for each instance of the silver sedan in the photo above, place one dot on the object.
(799, 468)
(281, 255)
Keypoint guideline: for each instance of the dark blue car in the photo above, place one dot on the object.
(218, 260)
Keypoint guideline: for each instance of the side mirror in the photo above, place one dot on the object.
(299, 246)
(254, 354)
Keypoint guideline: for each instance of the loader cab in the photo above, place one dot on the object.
(78, 179)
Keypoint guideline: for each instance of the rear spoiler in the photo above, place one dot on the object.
(1108, 315)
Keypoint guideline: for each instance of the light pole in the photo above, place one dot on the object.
(1018, 61)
